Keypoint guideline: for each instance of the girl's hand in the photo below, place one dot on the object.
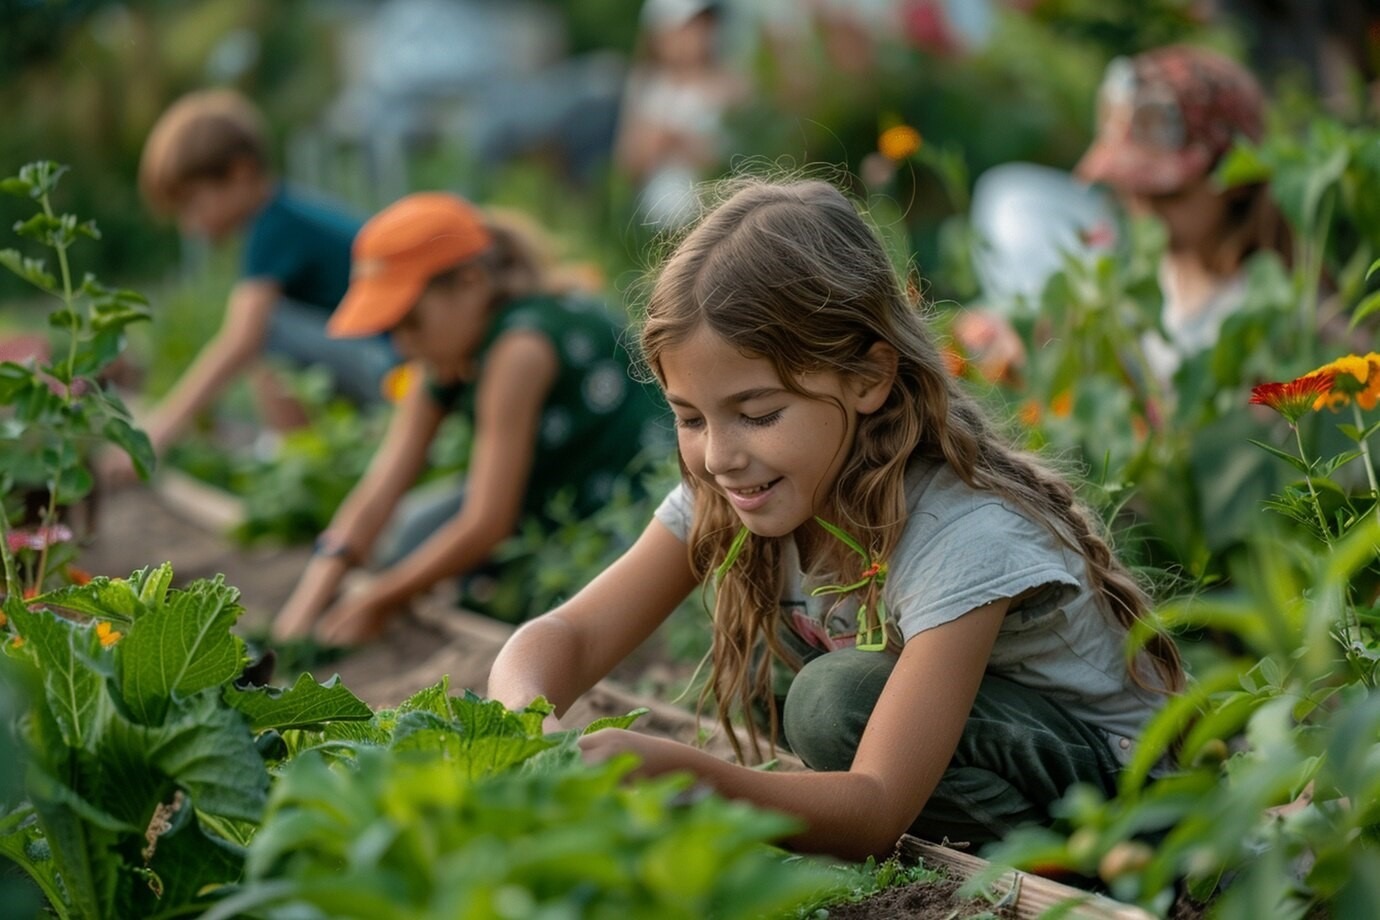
(311, 595)
(357, 617)
(658, 755)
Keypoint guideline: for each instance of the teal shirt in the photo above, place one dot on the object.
(596, 419)
(303, 246)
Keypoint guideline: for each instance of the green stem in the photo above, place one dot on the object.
(1308, 478)
(1365, 455)
(11, 571)
(50, 516)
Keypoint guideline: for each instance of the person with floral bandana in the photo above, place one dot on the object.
(1165, 120)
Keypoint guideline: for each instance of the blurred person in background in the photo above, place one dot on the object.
(467, 298)
(206, 164)
(1166, 118)
(670, 130)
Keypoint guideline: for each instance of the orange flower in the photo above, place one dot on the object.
(898, 142)
(1353, 376)
(1029, 413)
(77, 576)
(17, 642)
(108, 635)
(1062, 404)
(1139, 428)
(1294, 398)
(955, 362)
(30, 592)
(3, 619)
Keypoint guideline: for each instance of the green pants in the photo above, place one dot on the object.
(1018, 754)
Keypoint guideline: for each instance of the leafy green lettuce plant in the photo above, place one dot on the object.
(452, 806)
(138, 750)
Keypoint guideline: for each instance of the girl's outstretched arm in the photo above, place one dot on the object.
(512, 388)
(357, 522)
(904, 750)
(563, 653)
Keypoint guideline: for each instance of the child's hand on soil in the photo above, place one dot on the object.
(357, 617)
(114, 469)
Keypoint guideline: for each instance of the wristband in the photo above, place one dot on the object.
(329, 546)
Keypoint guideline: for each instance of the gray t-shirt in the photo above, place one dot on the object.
(961, 549)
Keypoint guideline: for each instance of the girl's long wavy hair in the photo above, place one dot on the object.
(793, 273)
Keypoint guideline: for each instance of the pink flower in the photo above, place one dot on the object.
(38, 537)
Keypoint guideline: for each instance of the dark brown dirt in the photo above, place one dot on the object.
(937, 900)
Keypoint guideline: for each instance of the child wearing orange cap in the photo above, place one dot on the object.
(206, 164)
(543, 376)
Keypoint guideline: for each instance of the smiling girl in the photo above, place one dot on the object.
(955, 622)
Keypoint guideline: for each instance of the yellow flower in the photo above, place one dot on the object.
(1353, 377)
(397, 382)
(17, 642)
(107, 635)
(898, 142)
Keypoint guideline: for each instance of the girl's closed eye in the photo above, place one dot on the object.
(690, 422)
(763, 421)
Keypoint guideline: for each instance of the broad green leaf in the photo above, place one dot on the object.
(433, 699)
(624, 721)
(133, 442)
(1374, 267)
(205, 748)
(73, 688)
(181, 647)
(305, 704)
(104, 598)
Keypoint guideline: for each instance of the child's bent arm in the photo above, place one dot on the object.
(562, 654)
(393, 469)
(518, 375)
(908, 743)
(364, 512)
(234, 346)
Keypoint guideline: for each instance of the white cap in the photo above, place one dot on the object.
(658, 15)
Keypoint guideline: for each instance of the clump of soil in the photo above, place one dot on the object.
(929, 900)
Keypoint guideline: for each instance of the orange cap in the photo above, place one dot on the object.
(398, 251)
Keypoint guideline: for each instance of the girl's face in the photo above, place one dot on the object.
(773, 453)
(446, 326)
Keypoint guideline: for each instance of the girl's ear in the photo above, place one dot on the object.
(873, 381)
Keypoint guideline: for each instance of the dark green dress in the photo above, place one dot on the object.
(596, 419)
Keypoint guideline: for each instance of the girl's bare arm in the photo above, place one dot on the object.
(904, 751)
(519, 373)
(565, 652)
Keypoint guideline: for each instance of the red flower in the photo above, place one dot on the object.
(1294, 398)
